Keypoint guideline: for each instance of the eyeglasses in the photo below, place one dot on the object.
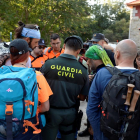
(40, 47)
(54, 44)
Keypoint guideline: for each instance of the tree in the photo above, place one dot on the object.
(118, 31)
(108, 17)
(62, 16)
(66, 17)
(109, 34)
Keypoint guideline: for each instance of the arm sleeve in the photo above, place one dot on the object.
(43, 69)
(95, 97)
(44, 90)
(85, 88)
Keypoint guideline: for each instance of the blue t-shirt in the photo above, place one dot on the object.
(97, 88)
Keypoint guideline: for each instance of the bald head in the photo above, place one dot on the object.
(127, 48)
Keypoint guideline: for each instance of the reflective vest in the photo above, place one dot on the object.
(38, 61)
(50, 54)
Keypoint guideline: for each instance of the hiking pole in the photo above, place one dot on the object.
(127, 103)
(129, 93)
(134, 101)
(132, 106)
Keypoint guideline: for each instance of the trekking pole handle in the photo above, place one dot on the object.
(127, 103)
(129, 93)
(132, 108)
(134, 101)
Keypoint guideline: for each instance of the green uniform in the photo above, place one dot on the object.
(67, 79)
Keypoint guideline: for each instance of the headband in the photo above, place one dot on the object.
(32, 33)
(96, 52)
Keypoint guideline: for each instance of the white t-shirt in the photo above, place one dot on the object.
(124, 67)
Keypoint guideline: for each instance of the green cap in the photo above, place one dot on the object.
(96, 52)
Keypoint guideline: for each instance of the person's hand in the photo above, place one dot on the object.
(91, 77)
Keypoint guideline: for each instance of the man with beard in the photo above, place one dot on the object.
(125, 54)
(37, 57)
(31, 34)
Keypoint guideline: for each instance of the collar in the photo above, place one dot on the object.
(68, 56)
(125, 67)
(99, 67)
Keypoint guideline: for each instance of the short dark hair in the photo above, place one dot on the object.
(18, 30)
(54, 36)
(73, 44)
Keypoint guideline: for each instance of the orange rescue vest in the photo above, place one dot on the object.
(38, 61)
(50, 54)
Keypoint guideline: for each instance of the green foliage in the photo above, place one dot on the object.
(112, 19)
(66, 17)
(118, 31)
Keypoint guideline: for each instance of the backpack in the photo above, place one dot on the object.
(116, 123)
(18, 103)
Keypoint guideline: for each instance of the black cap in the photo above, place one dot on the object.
(97, 37)
(21, 45)
(41, 42)
(77, 37)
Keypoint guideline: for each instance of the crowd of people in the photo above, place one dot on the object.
(46, 85)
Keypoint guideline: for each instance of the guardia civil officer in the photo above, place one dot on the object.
(68, 80)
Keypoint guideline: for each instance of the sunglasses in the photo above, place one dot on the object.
(40, 47)
(37, 27)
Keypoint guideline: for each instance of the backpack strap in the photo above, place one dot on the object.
(9, 113)
(49, 50)
(116, 71)
(45, 50)
(113, 70)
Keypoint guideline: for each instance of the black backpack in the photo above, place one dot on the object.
(115, 121)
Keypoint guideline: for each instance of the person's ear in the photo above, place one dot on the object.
(64, 46)
(78, 51)
(27, 39)
(117, 54)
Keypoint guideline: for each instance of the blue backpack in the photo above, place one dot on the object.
(18, 103)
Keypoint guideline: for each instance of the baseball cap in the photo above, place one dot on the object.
(77, 37)
(97, 37)
(21, 45)
(41, 42)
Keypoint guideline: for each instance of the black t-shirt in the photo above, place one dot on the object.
(111, 56)
(67, 79)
